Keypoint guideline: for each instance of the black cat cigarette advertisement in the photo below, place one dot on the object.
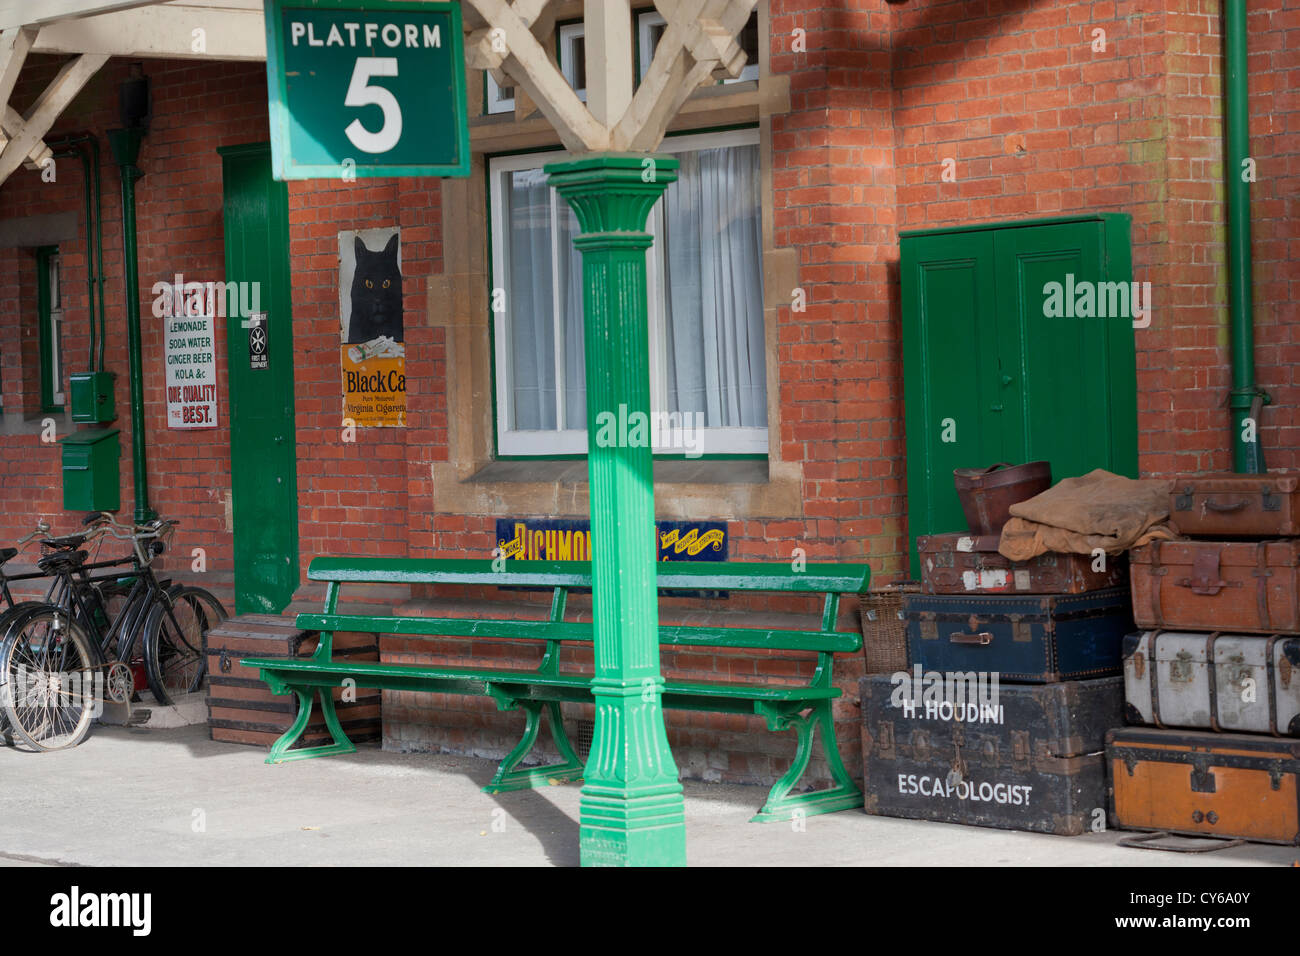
(372, 354)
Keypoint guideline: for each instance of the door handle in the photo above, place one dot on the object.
(1007, 380)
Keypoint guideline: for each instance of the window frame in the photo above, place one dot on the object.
(565, 34)
(493, 102)
(647, 19)
(567, 441)
(50, 313)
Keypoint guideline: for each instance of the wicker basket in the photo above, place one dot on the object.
(884, 630)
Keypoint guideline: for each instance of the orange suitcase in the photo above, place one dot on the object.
(1240, 786)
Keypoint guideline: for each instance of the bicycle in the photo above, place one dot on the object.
(52, 653)
(12, 607)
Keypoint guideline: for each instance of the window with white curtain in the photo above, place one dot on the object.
(705, 292)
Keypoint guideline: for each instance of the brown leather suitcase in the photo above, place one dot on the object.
(1227, 506)
(242, 709)
(1198, 783)
(971, 564)
(1230, 586)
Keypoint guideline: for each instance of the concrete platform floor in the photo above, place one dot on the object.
(174, 798)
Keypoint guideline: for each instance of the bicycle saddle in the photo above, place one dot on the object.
(6, 554)
(66, 543)
(62, 561)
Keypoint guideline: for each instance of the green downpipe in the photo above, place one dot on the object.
(125, 144)
(67, 147)
(1246, 399)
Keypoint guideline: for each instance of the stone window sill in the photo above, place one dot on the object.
(745, 471)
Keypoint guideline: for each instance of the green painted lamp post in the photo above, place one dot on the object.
(632, 811)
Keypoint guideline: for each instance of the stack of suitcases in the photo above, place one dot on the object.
(1014, 680)
(1212, 676)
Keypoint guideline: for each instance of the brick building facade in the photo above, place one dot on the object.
(855, 110)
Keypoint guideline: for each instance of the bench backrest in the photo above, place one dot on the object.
(832, 580)
(673, 575)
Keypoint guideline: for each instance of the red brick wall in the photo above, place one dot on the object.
(1038, 124)
(197, 107)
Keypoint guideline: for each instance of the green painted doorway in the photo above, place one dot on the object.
(263, 455)
(991, 374)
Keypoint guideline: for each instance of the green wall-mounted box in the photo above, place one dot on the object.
(92, 397)
(90, 470)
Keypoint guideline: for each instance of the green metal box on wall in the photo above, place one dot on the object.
(90, 470)
(1018, 345)
(92, 397)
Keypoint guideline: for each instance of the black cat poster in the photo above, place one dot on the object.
(373, 353)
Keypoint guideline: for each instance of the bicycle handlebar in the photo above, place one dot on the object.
(137, 534)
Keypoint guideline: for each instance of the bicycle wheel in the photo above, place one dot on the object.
(175, 644)
(49, 668)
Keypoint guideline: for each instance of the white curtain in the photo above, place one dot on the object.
(569, 261)
(529, 302)
(711, 246)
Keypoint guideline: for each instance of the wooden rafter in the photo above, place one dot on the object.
(699, 40)
(26, 132)
(15, 43)
(527, 63)
(16, 13)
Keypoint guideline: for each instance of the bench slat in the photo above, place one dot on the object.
(578, 632)
(363, 670)
(676, 575)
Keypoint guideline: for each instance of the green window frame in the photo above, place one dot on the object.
(50, 310)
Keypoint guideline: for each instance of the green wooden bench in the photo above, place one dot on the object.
(805, 708)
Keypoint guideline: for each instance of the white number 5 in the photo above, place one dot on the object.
(362, 94)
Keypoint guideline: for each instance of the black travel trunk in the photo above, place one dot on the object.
(1014, 756)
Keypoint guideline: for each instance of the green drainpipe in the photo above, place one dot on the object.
(68, 150)
(125, 144)
(1246, 399)
(70, 146)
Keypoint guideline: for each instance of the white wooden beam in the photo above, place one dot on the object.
(17, 13)
(163, 31)
(14, 44)
(608, 35)
(688, 53)
(55, 98)
(530, 67)
(11, 124)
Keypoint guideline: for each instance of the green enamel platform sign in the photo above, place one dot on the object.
(366, 88)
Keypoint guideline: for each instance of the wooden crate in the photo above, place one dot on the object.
(242, 709)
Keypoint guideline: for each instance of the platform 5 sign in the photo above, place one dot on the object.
(363, 88)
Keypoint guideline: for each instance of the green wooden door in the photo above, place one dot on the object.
(263, 459)
(957, 359)
(991, 374)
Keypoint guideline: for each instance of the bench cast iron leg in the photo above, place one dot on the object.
(280, 751)
(508, 778)
(845, 795)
